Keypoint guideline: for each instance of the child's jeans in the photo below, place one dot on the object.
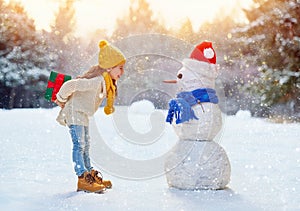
(81, 146)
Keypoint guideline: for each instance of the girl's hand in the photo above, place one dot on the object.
(60, 104)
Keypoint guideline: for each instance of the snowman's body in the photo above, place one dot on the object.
(197, 162)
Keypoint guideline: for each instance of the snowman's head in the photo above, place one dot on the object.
(198, 71)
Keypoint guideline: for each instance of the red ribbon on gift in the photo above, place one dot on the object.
(59, 80)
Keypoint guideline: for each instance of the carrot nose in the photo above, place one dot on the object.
(170, 81)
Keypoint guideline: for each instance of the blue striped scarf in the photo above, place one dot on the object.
(181, 106)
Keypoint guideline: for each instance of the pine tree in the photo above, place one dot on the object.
(186, 32)
(23, 60)
(272, 42)
(139, 21)
(71, 57)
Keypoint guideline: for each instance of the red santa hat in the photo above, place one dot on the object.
(204, 52)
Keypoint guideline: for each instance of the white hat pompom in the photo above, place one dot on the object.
(208, 53)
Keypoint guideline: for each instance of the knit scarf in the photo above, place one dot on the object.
(110, 94)
(181, 106)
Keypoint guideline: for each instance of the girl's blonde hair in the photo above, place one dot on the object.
(93, 72)
(96, 71)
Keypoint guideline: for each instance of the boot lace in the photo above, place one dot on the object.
(97, 173)
(89, 179)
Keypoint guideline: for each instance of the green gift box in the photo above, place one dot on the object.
(55, 81)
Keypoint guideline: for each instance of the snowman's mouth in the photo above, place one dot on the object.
(170, 81)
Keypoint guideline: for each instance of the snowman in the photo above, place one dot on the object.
(197, 162)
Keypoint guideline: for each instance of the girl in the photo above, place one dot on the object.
(79, 99)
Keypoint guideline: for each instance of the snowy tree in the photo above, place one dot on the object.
(71, 57)
(23, 60)
(271, 41)
(186, 32)
(64, 24)
(139, 20)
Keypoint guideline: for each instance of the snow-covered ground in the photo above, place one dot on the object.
(37, 174)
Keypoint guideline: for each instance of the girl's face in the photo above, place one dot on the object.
(116, 72)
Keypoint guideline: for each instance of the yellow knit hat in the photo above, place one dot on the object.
(109, 56)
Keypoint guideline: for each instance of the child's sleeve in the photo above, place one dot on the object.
(69, 87)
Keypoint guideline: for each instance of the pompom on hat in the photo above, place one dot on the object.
(204, 52)
(109, 56)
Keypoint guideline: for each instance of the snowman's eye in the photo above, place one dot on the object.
(179, 76)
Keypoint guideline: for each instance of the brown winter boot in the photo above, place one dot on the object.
(98, 178)
(88, 184)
